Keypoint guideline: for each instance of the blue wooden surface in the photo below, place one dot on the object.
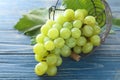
(17, 59)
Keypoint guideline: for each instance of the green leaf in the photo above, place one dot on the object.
(94, 7)
(32, 21)
(116, 21)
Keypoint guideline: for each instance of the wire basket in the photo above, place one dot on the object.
(107, 22)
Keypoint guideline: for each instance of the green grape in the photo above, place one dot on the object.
(49, 45)
(77, 24)
(87, 48)
(60, 19)
(95, 40)
(71, 42)
(40, 57)
(81, 41)
(40, 38)
(68, 25)
(80, 14)
(76, 33)
(56, 51)
(77, 49)
(69, 14)
(65, 33)
(39, 49)
(87, 31)
(65, 51)
(53, 33)
(46, 39)
(41, 68)
(59, 42)
(90, 20)
(59, 61)
(96, 29)
(50, 23)
(57, 26)
(51, 59)
(52, 71)
(44, 29)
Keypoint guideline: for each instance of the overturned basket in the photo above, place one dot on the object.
(103, 16)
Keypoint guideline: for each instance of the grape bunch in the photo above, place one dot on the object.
(71, 31)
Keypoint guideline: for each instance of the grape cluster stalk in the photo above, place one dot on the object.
(71, 32)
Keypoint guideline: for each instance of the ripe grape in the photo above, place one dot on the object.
(71, 42)
(90, 20)
(69, 14)
(49, 45)
(41, 68)
(65, 51)
(60, 19)
(50, 23)
(95, 40)
(77, 49)
(40, 38)
(44, 29)
(51, 59)
(76, 33)
(77, 24)
(57, 26)
(46, 39)
(65, 33)
(59, 42)
(53, 33)
(39, 48)
(87, 31)
(87, 48)
(68, 25)
(81, 41)
(59, 61)
(96, 29)
(52, 71)
(56, 51)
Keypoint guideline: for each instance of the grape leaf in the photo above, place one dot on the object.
(94, 7)
(32, 21)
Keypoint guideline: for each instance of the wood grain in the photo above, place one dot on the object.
(17, 59)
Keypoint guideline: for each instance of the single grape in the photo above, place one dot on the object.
(49, 45)
(44, 29)
(80, 14)
(71, 42)
(51, 59)
(76, 33)
(87, 31)
(77, 49)
(60, 19)
(41, 68)
(40, 38)
(53, 33)
(96, 29)
(69, 14)
(57, 26)
(65, 51)
(56, 51)
(65, 33)
(52, 71)
(59, 61)
(87, 48)
(39, 49)
(81, 41)
(95, 40)
(50, 23)
(68, 25)
(77, 24)
(59, 42)
(90, 20)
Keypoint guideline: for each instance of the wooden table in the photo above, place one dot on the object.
(17, 59)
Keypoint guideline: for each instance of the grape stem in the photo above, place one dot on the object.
(75, 56)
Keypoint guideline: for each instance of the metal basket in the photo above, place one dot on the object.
(107, 25)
